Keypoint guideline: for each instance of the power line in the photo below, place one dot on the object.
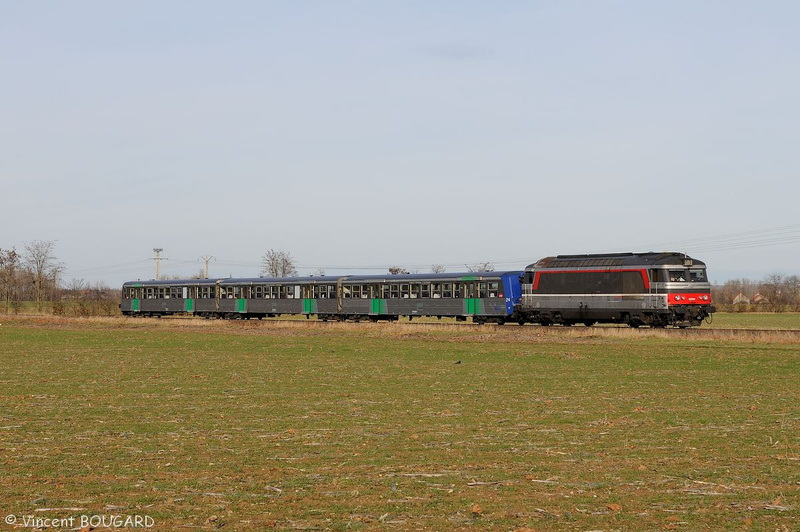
(756, 238)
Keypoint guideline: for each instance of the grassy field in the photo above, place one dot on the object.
(248, 426)
(756, 320)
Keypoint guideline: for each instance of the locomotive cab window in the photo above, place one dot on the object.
(677, 276)
(698, 275)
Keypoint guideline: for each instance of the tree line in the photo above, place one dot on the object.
(774, 293)
(33, 275)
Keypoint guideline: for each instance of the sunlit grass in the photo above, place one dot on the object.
(254, 425)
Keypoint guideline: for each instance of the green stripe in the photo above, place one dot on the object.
(469, 306)
(136, 304)
(188, 305)
(241, 305)
(474, 307)
(309, 306)
(379, 306)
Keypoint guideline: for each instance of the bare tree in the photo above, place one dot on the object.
(772, 288)
(44, 267)
(397, 270)
(278, 264)
(438, 268)
(482, 267)
(9, 276)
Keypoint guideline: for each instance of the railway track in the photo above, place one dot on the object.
(709, 332)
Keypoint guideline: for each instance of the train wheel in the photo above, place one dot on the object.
(588, 323)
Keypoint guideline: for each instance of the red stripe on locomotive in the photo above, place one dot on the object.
(641, 271)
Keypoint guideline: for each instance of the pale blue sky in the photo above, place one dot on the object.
(367, 134)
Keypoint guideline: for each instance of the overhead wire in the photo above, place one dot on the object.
(757, 238)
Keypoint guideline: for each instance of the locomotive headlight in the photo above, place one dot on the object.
(704, 298)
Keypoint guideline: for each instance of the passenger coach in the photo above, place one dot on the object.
(484, 296)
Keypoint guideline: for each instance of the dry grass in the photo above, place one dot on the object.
(248, 426)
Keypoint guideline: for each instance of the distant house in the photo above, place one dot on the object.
(741, 299)
(758, 299)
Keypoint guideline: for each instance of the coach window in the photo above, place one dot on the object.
(494, 289)
(414, 290)
(481, 290)
(394, 291)
(405, 290)
(163, 293)
(425, 290)
(436, 290)
(447, 290)
(176, 292)
(466, 290)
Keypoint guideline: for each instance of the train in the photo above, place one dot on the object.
(656, 289)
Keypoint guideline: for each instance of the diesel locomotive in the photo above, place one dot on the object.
(654, 289)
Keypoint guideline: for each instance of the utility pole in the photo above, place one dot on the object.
(158, 260)
(207, 258)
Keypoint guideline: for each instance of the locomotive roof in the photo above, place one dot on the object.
(612, 260)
